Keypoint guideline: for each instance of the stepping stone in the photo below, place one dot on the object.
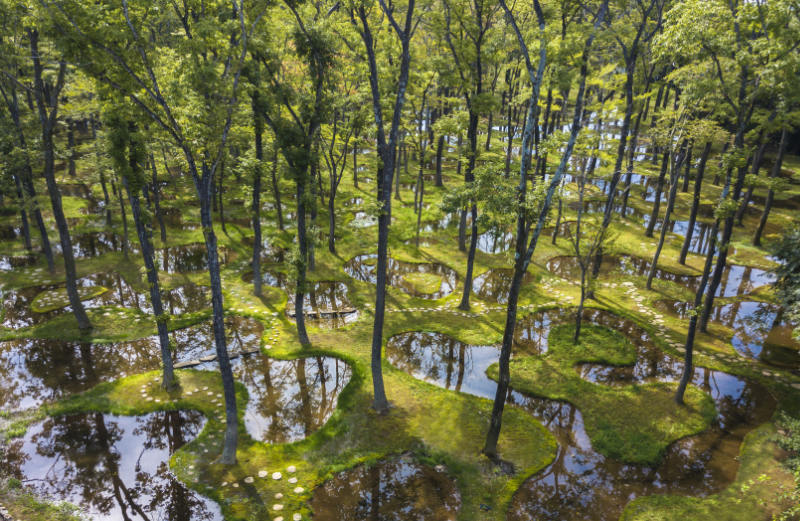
(263, 473)
(278, 496)
(297, 517)
(292, 480)
(279, 518)
(299, 490)
(277, 507)
(291, 469)
(276, 475)
(249, 479)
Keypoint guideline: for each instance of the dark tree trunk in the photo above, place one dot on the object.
(688, 169)
(673, 191)
(657, 203)
(125, 246)
(774, 173)
(258, 126)
(302, 243)
(71, 146)
(276, 191)
(698, 183)
(469, 177)
(439, 151)
(144, 233)
(749, 194)
(48, 114)
(23, 213)
(157, 200)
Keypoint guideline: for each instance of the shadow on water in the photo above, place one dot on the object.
(363, 268)
(582, 484)
(392, 489)
(113, 468)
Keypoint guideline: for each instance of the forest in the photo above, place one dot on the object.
(400, 260)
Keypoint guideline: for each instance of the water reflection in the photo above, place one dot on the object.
(760, 330)
(289, 399)
(187, 258)
(581, 484)
(392, 489)
(113, 468)
(363, 268)
(494, 284)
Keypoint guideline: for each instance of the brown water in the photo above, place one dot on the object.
(392, 489)
(113, 468)
(581, 484)
(363, 268)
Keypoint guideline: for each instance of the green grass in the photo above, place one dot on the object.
(425, 283)
(23, 505)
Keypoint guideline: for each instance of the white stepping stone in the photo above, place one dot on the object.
(291, 469)
(249, 479)
(277, 507)
(297, 517)
(263, 473)
(276, 475)
(292, 480)
(278, 496)
(299, 490)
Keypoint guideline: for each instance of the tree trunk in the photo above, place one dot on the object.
(71, 146)
(258, 126)
(276, 191)
(23, 213)
(774, 173)
(299, 293)
(157, 200)
(673, 190)
(657, 203)
(125, 246)
(698, 182)
(47, 110)
(746, 199)
(144, 233)
(469, 177)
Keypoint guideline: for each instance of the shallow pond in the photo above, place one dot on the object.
(759, 330)
(400, 275)
(114, 468)
(736, 280)
(187, 258)
(494, 284)
(288, 399)
(581, 484)
(392, 489)
(34, 371)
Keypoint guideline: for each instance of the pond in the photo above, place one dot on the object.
(582, 484)
(423, 280)
(392, 489)
(115, 468)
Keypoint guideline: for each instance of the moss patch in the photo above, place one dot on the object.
(425, 283)
(22, 504)
(632, 423)
(53, 299)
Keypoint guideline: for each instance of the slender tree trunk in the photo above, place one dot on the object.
(23, 213)
(469, 176)
(144, 233)
(688, 169)
(258, 126)
(125, 246)
(355, 165)
(439, 151)
(698, 183)
(205, 194)
(47, 110)
(276, 191)
(157, 201)
(673, 190)
(71, 146)
(759, 156)
(774, 173)
(302, 243)
(657, 203)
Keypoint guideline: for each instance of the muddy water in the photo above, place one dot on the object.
(363, 268)
(759, 330)
(34, 371)
(736, 280)
(113, 468)
(393, 489)
(288, 399)
(581, 484)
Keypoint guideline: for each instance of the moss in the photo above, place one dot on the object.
(754, 494)
(631, 423)
(53, 299)
(21, 503)
(425, 283)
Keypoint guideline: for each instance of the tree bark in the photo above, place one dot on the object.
(698, 183)
(774, 173)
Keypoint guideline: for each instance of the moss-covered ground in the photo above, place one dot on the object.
(633, 423)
